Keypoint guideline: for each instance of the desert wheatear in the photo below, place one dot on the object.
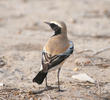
(56, 50)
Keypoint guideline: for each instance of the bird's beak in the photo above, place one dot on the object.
(47, 23)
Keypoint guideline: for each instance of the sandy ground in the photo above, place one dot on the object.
(23, 34)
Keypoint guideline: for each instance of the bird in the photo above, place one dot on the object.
(55, 52)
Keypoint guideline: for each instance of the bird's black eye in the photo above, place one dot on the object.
(53, 26)
(56, 28)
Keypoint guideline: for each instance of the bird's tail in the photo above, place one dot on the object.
(40, 77)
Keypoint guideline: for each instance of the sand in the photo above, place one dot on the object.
(23, 34)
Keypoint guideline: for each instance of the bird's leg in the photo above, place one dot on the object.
(46, 85)
(58, 79)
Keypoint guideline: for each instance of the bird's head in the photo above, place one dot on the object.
(58, 27)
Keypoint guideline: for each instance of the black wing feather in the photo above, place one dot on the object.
(49, 61)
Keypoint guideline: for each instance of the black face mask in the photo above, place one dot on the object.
(56, 28)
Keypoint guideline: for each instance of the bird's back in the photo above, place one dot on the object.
(56, 45)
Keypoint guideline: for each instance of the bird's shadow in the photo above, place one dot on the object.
(47, 89)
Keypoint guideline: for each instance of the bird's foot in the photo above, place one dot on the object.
(48, 87)
(59, 90)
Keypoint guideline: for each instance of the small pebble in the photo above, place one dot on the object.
(31, 99)
(1, 84)
(2, 62)
(76, 69)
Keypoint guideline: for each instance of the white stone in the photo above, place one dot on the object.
(83, 77)
(1, 84)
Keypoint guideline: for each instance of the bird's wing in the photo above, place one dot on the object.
(49, 61)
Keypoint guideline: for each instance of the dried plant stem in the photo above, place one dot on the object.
(101, 50)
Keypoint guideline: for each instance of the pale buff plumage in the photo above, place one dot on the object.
(59, 43)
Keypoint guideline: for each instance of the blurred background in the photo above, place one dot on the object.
(17, 15)
(23, 34)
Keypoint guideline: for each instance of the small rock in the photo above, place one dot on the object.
(31, 99)
(83, 77)
(2, 62)
(44, 97)
(107, 13)
(82, 61)
(74, 21)
(76, 69)
(1, 84)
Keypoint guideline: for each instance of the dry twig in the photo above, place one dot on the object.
(101, 50)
